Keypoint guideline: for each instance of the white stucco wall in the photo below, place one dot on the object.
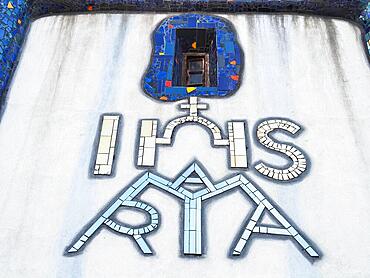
(74, 68)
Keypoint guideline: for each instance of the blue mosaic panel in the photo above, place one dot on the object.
(365, 19)
(13, 26)
(158, 79)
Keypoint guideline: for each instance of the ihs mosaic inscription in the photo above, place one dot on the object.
(187, 40)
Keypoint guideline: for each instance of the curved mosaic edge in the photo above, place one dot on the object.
(159, 78)
(14, 22)
(15, 16)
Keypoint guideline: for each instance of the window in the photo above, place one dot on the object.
(195, 53)
(196, 70)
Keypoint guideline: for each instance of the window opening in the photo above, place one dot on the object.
(196, 70)
(195, 62)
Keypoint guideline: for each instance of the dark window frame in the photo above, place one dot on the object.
(186, 72)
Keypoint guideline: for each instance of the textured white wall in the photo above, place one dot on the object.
(74, 68)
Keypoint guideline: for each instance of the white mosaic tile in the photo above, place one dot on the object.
(107, 145)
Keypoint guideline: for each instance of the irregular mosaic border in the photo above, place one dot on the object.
(16, 15)
(159, 80)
